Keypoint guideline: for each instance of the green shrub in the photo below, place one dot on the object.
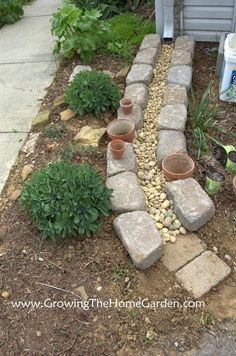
(10, 12)
(127, 31)
(92, 92)
(107, 7)
(65, 199)
(78, 31)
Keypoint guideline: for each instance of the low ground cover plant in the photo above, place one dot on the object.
(78, 31)
(92, 92)
(10, 11)
(66, 199)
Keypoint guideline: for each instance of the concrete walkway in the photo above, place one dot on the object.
(27, 68)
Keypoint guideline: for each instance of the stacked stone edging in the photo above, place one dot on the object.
(134, 225)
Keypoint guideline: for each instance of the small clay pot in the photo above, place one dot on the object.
(178, 166)
(117, 148)
(214, 182)
(231, 161)
(234, 184)
(127, 105)
(121, 129)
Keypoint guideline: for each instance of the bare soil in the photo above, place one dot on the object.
(100, 261)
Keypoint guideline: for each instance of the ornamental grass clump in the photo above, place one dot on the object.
(66, 199)
(92, 92)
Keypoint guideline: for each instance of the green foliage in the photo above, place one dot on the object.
(88, 150)
(65, 199)
(10, 12)
(55, 131)
(92, 92)
(78, 31)
(127, 31)
(107, 7)
(205, 114)
(68, 152)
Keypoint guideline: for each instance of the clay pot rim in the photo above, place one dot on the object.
(232, 158)
(124, 145)
(121, 120)
(127, 105)
(178, 155)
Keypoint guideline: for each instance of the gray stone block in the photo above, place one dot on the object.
(136, 116)
(202, 274)
(127, 194)
(192, 204)
(181, 75)
(151, 41)
(140, 73)
(147, 56)
(140, 237)
(175, 94)
(128, 163)
(77, 70)
(180, 57)
(170, 142)
(185, 249)
(172, 117)
(185, 43)
(139, 92)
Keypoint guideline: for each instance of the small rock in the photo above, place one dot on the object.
(5, 294)
(167, 222)
(228, 258)
(89, 136)
(147, 320)
(40, 259)
(67, 115)
(26, 171)
(24, 252)
(29, 146)
(126, 279)
(110, 74)
(99, 289)
(123, 72)
(165, 204)
(152, 211)
(82, 292)
(41, 119)
(150, 334)
(162, 196)
(172, 239)
(58, 101)
(38, 333)
(182, 230)
(16, 194)
(215, 249)
(159, 226)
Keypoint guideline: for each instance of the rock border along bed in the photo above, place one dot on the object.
(144, 234)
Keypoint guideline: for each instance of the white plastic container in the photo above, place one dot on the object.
(228, 76)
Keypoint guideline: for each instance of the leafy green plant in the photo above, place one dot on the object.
(55, 131)
(67, 152)
(88, 150)
(204, 114)
(10, 12)
(107, 7)
(65, 199)
(127, 31)
(78, 31)
(92, 92)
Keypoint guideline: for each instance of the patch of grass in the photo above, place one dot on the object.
(119, 274)
(207, 318)
(127, 31)
(55, 131)
(88, 150)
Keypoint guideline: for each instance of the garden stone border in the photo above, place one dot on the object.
(133, 224)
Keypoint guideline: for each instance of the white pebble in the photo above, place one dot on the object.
(159, 226)
(162, 196)
(165, 204)
(172, 239)
(228, 258)
(182, 230)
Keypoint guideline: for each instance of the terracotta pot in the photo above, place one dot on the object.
(117, 148)
(231, 161)
(127, 105)
(177, 166)
(234, 184)
(122, 129)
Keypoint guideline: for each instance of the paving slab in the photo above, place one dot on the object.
(78, 69)
(127, 194)
(10, 144)
(193, 206)
(138, 92)
(151, 41)
(181, 75)
(172, 117)
(185, 43)
(202, 274)
(185, 249)
(140, 237)
(175, 94)
(140, 73)
(136, 116)
(147, 56)
(180, 57)
(41, 8)
(128, 163)
(170, 142)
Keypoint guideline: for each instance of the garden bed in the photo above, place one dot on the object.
(99, 263)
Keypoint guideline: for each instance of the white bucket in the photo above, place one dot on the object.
(228, 77)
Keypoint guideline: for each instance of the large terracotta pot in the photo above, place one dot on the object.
(122, 129)
(178, 166)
